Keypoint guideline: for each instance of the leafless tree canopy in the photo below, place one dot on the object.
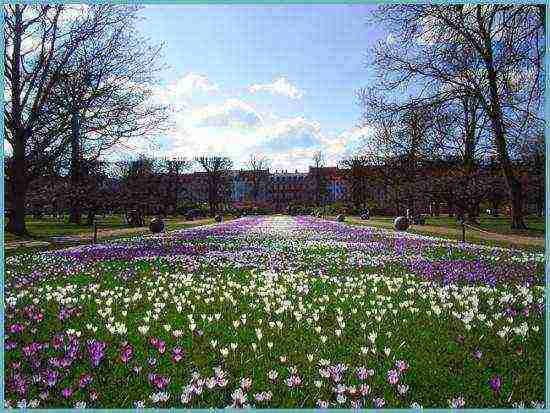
(65, 70)
(216, 169)
(459, 80)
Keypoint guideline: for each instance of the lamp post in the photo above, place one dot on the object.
(463, 225)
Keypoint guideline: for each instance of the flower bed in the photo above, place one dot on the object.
(275, 312)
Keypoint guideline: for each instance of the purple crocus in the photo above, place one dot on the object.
(50, 377)
(85, 380)
(161, 382)
(362, 373)
(67, 392)
(494, 383)
(177, 354)
(126, 353)
(10, 345)
(16, 328)
(379, 402)
(97, 351)
(402, 365)
(393, 376)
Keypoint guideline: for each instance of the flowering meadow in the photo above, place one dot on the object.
(275, 312)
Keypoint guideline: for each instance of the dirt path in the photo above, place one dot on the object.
(101, 234)
(470, 233)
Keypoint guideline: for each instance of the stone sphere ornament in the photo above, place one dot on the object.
(192, 215)
(401, 223)
(156, 225)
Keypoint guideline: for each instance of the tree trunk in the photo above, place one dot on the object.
(471, 216)
(517, 205)
(494, 111)
(91, 216)
(16, 224)
(16, 221)
(75, 215)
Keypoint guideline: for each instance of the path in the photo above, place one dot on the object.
(472, 234)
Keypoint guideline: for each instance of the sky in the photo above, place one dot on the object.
(276, 81)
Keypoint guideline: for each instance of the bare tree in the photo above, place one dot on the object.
(73, 83)
(219, 184)
(480, 51)
(258, 165)
(357, 178)
(174, 169)
(320, 177)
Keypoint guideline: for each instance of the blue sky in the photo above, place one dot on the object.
(272, 80)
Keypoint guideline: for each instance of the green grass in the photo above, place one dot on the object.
(471, 237)
(52, 227)
(313, 285)
(496, 225)
(501, 225)
(46, 229)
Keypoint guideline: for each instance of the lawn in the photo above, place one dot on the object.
(51, 227)
(501, 224)
(275, 312)
(109, 228)
(494, 226)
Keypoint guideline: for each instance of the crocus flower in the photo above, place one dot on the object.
(93, 395)
(364, 389)
(402, 365)
(161, 382)
(10, 345)
(322, 404)
(379, 402)
(495, 382)
(341, 399)
(126, 353)
(362, 373)
(177, 354)
(293, 381)
(393, 376)
(16, 328)
(67, 392)
(96, 349)
(402, 389)
(457, 403)
(239, 398)
(85, 380)
(246, 383)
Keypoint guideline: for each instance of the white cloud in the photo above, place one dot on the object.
(280, 87)
(211, 123)
(192, 84)
(181, 92)
(347, 143)
(288, 134)
(232, 113)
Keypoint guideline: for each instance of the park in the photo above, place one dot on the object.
(181, 241)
